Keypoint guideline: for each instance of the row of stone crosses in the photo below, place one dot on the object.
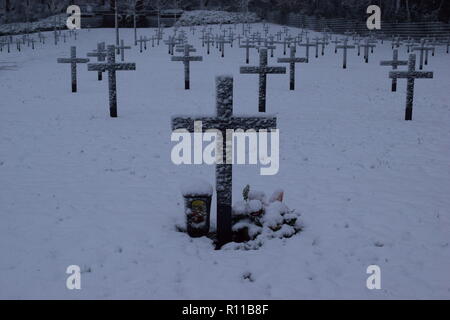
(262, 42)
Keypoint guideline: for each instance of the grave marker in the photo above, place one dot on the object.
(410, 75)
(394, 63)
(292, 60)
(73, 60)
(224, 171)
(262, 70)
(100, 54)
(111, 67)
(344, 47)
(186, 59)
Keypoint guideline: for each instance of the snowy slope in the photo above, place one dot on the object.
(80, 188)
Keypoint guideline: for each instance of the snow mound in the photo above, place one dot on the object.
(196, 187)
(200, 17)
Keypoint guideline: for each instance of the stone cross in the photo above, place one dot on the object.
(410, 75)
(322, 42)
(396, 43)
(122, 49)
(142, 43)
(292, 60)
(395, 63)
(222, 122)
(366, 47)
(186, 59)
(222, 41)
(111, 67)
(345, 46)
(263, 69)
(307, 45)
(423, 48)
(101, 55)
(73, 60)
(247, 47)
(171, 42)
(336, 42)
(209, 41)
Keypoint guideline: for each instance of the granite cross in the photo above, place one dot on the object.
(410, 75)
(73, 60)
(345, 46)
(247, 47)
(209, 40)
(222, 41)
(100, 54)
(186, 59)
(292, 60)
(394, 63)
(366, 47)
(423, 48)
(122, 49)
(142, 41)
(263, 69)
(307, 45)
(336, 42)
(223, 122)
(111, 67)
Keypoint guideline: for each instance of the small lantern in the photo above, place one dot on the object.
(197, 203)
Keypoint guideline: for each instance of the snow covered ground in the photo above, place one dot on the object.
(77, 187)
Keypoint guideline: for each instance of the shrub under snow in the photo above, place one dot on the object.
(200, 17)
(41, 25)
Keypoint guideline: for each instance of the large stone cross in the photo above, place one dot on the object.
(223, 122)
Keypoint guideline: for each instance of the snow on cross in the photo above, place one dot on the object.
(186, 59)
(223, 121)
(263, 70)
(100, 54)
(247, 46)
(73, 60)
(395, 63)
(307, 45)
(111, 66)
(292, 60)
(423, 48)
(410, 75)
(122, 49)
(344, 48)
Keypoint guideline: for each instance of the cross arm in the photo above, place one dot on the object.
(278, 70)
(394, 63)
(250, 70)
(97, 67)
(290, 60)
(64, 60)
(410, 74)
(255, 123)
